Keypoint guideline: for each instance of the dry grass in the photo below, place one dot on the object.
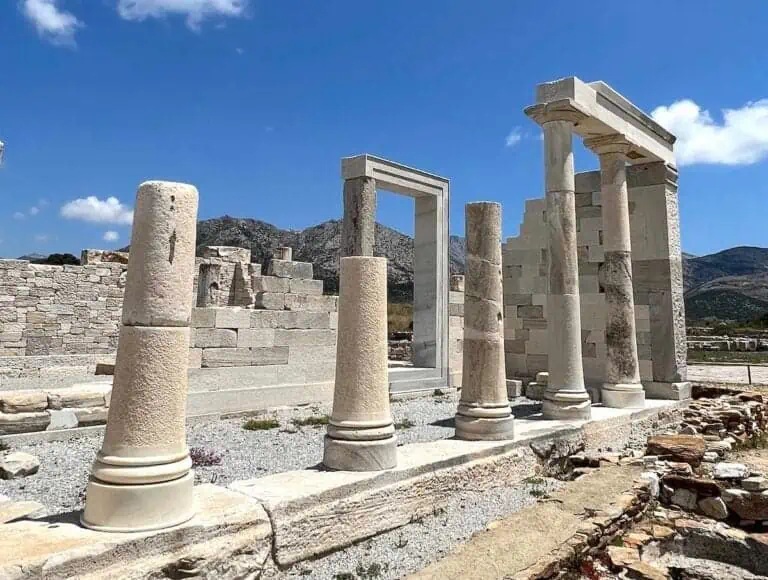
(399, 317)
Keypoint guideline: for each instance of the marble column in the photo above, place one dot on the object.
(484, 412)
(361, 434)
(622, 387)
(565, 396)
(358, 226)
(142, 479)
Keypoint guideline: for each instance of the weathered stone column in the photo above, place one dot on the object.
(361, 435)
(358, 227)
(484, 412)
(622, 387)
(141, 479)
(565, 396)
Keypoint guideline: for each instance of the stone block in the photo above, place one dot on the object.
(271, 284)
(12, 423)
(79, 396)
(311, 303)
(304, 320)
(264, 318)
(285, 269)
(233, 318)
(242, 357)
(87, 417)
(515, 346)
(455, 310)
(214, 338)
(514, 388)
(255, 337)
(195, 358)
(514, 299)
(62, 419)
(17, 465)
(227, 253)
(304, 286)
(23, 401)
(305, 337)
(269, 301)
(530, 312)
(203, 317)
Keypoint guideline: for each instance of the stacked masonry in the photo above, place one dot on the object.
(456, 330)
(525, 281)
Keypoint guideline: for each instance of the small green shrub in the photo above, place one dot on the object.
(312, 421)
(261, 424)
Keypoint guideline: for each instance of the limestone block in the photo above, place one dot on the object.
(80, 395)
(530, 312)
(514, 388)
(456, 310)
(285, 269)
(195, 358)
(239, 357)
(214, 338)
(311, 303)
(271, 284)
(62, 419)
(18, 464)
(264, 319)
(303, 320)
(456, 297)
(303, 286)
(227, 253)
(514, 346)
(161, 264)
(16, 510)
(305, 337)
(334, 320)
(90, 416)
(22, 401)
(269, 301)
(12, 423)
(233, 318)
(255, 337)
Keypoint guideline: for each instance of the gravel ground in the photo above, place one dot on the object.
(60, 483)
(412, 548)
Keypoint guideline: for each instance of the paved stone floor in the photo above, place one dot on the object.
(736, 374)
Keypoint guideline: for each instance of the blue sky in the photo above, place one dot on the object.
(256, 101)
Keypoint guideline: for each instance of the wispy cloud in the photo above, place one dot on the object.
(95, 210)
(513, 138)
(19, 215)
(195, 11)
(740, 139)
(42, 238)
(52, 23)
(34, 210)
(111, 236)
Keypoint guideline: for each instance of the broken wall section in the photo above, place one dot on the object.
(657, 275)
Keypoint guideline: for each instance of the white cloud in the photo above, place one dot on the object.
(194, 10)
(92, 209)
(741, 138)
(51, 22)
(43, 203)
(42, 238)
(34, 210)
(111, 236)
(514, 137)
(18, 216)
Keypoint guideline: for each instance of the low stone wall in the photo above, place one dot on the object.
(456, 331)
(26, 411)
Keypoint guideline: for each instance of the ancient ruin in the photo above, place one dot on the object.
(306, 440)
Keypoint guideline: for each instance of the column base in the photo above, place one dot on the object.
(485, 428)
(345, 455)
(623, 396)
(113, 507)
(569, 406)
(669, 391)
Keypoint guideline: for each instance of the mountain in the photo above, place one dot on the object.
(727, 285)
(320, 245)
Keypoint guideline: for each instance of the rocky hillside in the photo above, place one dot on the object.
(320, 245)
(728, 285)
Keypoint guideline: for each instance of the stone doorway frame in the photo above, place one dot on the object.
(431, 196)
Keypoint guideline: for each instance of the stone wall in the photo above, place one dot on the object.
(657, 270)
(456, 331)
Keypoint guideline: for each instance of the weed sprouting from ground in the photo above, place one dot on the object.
(404, 424)
(261, 424)
(202, 457)
(312, 421)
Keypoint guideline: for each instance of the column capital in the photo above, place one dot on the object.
(561, 110)
(614, 143)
